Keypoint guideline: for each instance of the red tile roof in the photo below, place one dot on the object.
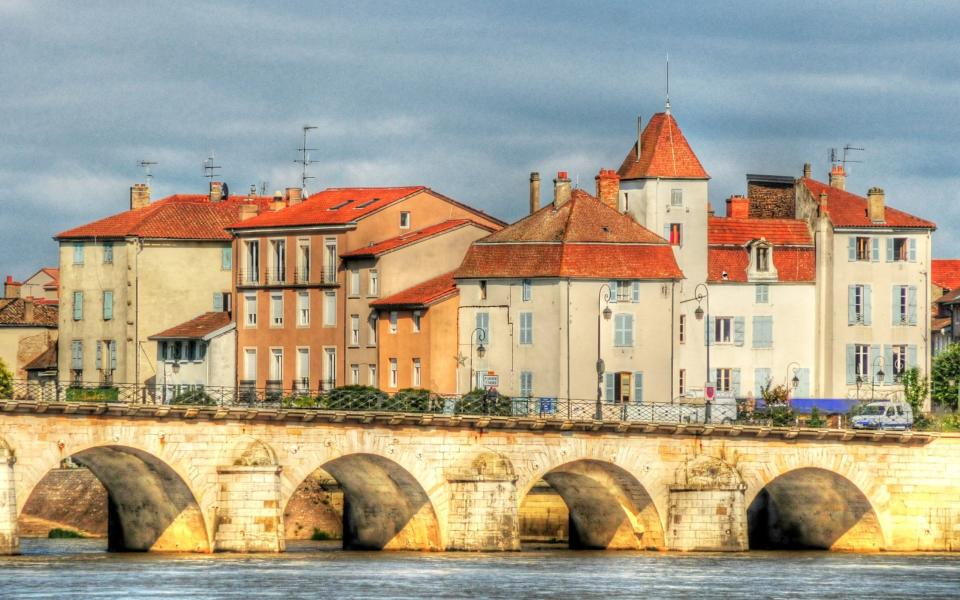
(184, 217)
(850, 210)
(423, 294)
(793, 264)
(665, 153)
(400, 241)
(13, 313)
(946, 273)
(47, 360)
(581, 238)
(794, 255)
(195, 328)
(779, 232)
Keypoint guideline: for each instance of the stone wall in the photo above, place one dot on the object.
(771, 201)
(72, 499)
(544, 516)
(317, 505)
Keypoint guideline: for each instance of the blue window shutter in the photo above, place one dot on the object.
(867, 308)
(78, 306)
(913, 250)
(759, 296)
(226, 258)
(217, 302)
(613, 291)
(912, 305)
(638, 387)
(911, 356)
(851, 304)
(874, 353)
(608, 380)
(888, 364)
(630, 330)
(889, 249)
(803, 388)
(851, 248)
(770, 332)
(760, 379)
(851, 366)
(875, 249)
(636, 291)
(757, 333)
(895, 305)
(735, 382)
(107, 306)
(738, 327)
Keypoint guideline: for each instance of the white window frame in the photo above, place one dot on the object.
(330, 309)
(275, 372)
(417, 315)
(724, 377)
(683, 329)
(676, 197)
(303, 368)
(394, 374)
(405, 219)
(723, 330)
(861, 361)
(251, 251)
(372, 322)
(354, 283)
(250, 316)
(394, 316)
(372, 369)
(355, 330)
(303, 309)
(303, 260)
(527, 290)
(417, 374)
(248, 354)
(354, 374)
(276, 309)
(278, 260)
(373, 283)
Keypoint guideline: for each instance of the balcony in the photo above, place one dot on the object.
(281, 278)
(247, 278)
(330, 275)
(302, 276)
(276, 277)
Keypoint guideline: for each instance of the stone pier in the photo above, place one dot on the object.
(484, 510)
(9, 540)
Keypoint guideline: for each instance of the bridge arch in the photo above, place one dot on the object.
(150, 505)
(608, 507)
(385, 506)
(813, 508)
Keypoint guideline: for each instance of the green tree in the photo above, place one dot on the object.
(946, 377)
(6, 381)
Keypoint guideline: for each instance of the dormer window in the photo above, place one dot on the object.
(763, 259)
(761, 267)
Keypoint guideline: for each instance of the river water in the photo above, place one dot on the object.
(63, 569)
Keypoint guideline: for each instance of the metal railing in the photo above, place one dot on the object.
(329, 275)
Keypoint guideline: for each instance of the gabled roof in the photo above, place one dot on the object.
(945, 273)
(421, 295)
(13, 313)
(581, 238)
(850, 210)
(738, 231)
(794, 254)
(196, 328)
(183, 217)
(665, 153)
(401, 241)
(46, 361)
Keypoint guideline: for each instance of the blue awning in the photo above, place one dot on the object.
(829, 406)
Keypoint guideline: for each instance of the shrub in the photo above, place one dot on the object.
(945, 377)
(816, 419)
(415, 400)
(60, 534)
(319, 535)
(353, 397)
(6, 381)
(195, 397)
(299, 401)
(479, 402)
(99, 394)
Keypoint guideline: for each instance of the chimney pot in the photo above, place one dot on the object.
(807, 171)
(139, 195)
(608, 188)
(534, 192)
(28, 311)
(216, 191)
(278, 203)
(561, 189)
(248, 211)
(294, 195)
(875, 205)
(11, 289)
(738, 207)
(838, 177)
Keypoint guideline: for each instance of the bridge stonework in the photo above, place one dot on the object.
(204, 480)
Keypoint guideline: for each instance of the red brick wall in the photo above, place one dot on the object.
(770, 201)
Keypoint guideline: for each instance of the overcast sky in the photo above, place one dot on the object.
(466, 98)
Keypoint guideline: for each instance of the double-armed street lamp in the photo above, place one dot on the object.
(603, 296)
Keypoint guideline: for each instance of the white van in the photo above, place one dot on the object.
(884, 415)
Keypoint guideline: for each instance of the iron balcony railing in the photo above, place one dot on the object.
(329, 275)
(275, 277)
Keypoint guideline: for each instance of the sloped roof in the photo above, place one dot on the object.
(665, 153)
(182, 216)
(13, 313)
(793, 264)
(46, 361)
(946, 273)
(195, 328)
(423, 294)
(401, 241)
(332, 206)
(738, 231)
(850, 210)
(581, 238)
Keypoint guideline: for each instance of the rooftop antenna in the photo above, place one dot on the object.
(145, 165)
(838, 158)
(667, 108)
(263, 188)
(304, 160)
(209, 168)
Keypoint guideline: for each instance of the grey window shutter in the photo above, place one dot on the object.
(874, 363)
(889, 249)
(887, 364)
(913, 250)
(609, 381)
(867, 306)
(851, 304)
(851, 364)
(738, 327)
(875, 249)
(912, 305)
(852, 248)
(735, 382)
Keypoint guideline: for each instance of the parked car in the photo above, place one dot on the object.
(884, 415)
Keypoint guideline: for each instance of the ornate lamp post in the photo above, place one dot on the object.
(480, 335)
(603, 296)
(795, 380)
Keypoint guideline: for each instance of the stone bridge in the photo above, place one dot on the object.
(217, 479)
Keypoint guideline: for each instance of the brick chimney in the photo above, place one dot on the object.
(838, 177)
(738, 207)
(28, 311)
(608, 188)
(139, 195)
(11, 288)
(216, 191)
(534, 192)
(875, 207)
(561, 189)
(278, 202)
(294, 196)
(807, 171)
(248, 210)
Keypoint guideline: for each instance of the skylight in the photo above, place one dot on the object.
(342, 204)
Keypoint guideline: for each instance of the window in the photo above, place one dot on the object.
(676, 197)
(76, 355)
(683, 328)
(858, 305)
(201, 351)
(763, 294)
(404, 220)
(276, 310)
(526, 328)
(621, 291)
(78, 253)
(303, 368)
(373, 376)
(675, 234)
(416, 372)
(416, 321)
(763, 259)
(763, 332)
(899, 249)
(527, 290)
(722, 330)
(250, 364)
(623, 330)
(393, 321)
(483, 289)
(330, 367)
(303, 309)
(278, 266)
(107, 305)
(372, 334)
(250, 309)
(622, 384)
(330, 309)
(276, 364)
(863, 248)
(191, 352)
(683, 382)
(904, 308)
(330, 260)
(354, 374)
(898, 360)
(526, 384)
(303, 261)
(393, 372)
(226, 258)
(483, 324)
(355, 283)
(723, 380)
(861, 361)
(373, 283)
(222, 301)
(354, 330)
(253, 261)
(108, 252)
(78, 306)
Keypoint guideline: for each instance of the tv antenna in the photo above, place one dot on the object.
(843, 160)
(304, 160)
(145, 165)
(209, 168)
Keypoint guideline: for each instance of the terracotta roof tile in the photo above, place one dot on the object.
(665, 153)
(187, 217)
(779, 232)
(793, 264)
(47, 360)
(850, 210)
(946, 273)
(423, 294)
(332, 206)
(400, 241)
(13, 312)
(195, 328)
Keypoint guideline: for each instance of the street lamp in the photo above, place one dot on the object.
(602, 297)
(873, 376)
(701, 295)
(795, 380)
(481, 335)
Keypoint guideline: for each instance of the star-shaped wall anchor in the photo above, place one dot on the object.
(461, 359)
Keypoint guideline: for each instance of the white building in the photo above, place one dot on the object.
(197, 355)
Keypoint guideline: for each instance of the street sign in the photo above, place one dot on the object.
(491, 381)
